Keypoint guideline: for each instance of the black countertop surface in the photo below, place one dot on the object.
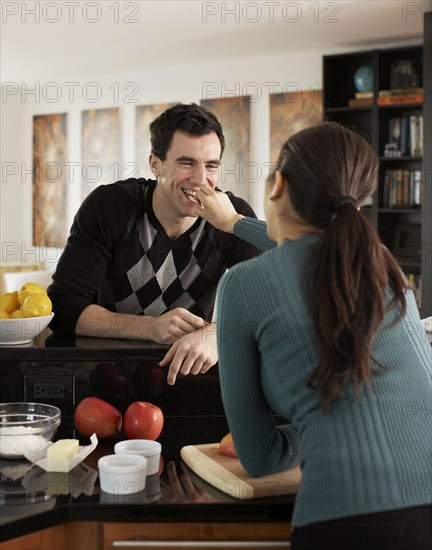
(62, 371)
(53, 346)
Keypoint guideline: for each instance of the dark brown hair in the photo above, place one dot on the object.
(350, 269)
(191, 119)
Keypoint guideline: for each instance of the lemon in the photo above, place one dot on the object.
(27, 290)
(37, 305)
(17, 314)
(4, 314)
(9, 301)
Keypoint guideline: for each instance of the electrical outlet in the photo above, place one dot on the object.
(52, 391)
(58, 390)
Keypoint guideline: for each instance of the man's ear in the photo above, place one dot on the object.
(278, 186)
(154, 163)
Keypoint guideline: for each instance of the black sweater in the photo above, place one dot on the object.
(119, 256)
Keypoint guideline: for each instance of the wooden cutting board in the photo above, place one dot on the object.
(228, 475)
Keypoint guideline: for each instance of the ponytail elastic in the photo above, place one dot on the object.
(340, 201)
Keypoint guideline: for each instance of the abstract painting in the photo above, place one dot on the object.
(236, 171)
(49, 179)
(145, 114)
(290, 113)
(100, 149)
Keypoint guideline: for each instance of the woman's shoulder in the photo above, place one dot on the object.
(287, 261)
(253, 267)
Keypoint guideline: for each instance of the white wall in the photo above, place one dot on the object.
(256, 78)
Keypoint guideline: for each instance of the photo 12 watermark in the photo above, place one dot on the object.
(54, 92)
(292, 91)
(270, 12)
(54, 172)
(25, 253)
(70, 12)
(410, 10)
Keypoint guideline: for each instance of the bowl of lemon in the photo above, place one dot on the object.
(24, 314)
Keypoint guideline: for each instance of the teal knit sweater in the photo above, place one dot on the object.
(366, 456)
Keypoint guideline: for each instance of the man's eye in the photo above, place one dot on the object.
(212, 168)
(185, 163)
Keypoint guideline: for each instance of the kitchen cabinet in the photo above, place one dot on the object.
(75, 535)
(196, 535)
(106, 536)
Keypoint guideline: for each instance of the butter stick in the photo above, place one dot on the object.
(59, 453)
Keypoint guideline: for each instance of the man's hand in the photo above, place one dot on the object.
(194, 353)
(175, 324)
(98, 322)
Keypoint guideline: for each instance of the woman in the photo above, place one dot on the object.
(323, 331)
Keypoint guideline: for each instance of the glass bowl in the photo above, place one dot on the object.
(26, 427)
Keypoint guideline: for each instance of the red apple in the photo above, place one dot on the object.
(226, 446)
(143, 420)
(93, 415)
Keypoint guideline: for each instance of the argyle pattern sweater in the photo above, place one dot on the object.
(119, 256)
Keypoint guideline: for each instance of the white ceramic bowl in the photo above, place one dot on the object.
(22, 331)
(142, 447)
(26, 426)
(122, 474)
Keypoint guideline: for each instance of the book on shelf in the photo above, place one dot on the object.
(416, 135)
(402, 188)
(405, 135)
(401, 100)
(361, 102)
(400, 92)
(363, 95)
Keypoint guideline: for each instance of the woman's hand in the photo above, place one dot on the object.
(216, 208)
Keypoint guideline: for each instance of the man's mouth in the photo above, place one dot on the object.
(191, 195)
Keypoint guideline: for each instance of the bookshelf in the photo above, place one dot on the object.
(395, 117)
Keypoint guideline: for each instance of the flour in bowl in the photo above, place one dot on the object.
(17, 439)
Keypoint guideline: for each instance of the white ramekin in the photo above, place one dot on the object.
(122, 474)
(142, 447)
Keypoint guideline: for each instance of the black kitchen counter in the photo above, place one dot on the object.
(51, 346)
(62, 371)
(36, 500)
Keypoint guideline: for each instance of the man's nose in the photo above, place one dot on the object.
(199, 174)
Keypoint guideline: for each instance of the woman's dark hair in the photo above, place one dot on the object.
(350, 270)
(191, 119)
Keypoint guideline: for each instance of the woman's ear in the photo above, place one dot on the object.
(278, 187)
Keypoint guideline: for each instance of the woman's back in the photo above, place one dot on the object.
(362, 456)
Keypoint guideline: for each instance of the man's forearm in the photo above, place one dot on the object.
(98, 322)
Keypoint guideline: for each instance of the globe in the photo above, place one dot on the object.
(363, 78)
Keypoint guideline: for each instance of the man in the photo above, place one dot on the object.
(139, 263)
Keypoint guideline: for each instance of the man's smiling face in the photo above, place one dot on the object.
(191, 162)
